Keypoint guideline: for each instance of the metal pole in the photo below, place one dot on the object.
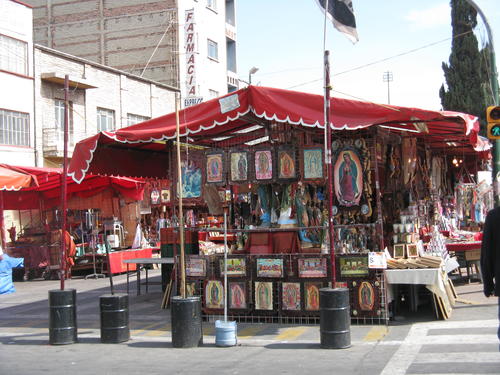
(3, 239)
(329, 166)
(494, 89)
(64, 182)
(225, 265)
(179, 181)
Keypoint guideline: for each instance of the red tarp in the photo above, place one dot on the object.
(49, 188)
(13, 179)
(231, 116)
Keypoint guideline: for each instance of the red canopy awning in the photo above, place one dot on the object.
(139, 150)
(14, 179)
(49, 188)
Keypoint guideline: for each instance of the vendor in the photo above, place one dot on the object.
(6, 265)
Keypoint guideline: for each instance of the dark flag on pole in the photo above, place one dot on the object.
(341, 13)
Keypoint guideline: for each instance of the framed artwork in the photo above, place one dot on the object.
(263, 163)
(311, 296)
(214, 294)
(191, 178)
(312, 267)
(365, 296)
(348, 177)
(269, 267)
(312, 165)
(353, 266)
(238, 166)
(237, 295)
(236, 267)
(291, 298)
(165, 195)
(263, 295)
(196, 267)
(155, 196)
(399, 251)
(215, 170)
(192, 288)
(412, 251)
(286, 164)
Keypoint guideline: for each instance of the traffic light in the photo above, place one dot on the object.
(493, 119)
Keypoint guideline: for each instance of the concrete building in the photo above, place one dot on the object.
(32, 95)
(188, 44)
(17, 143)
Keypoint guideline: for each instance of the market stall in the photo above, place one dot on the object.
(36, 237)
(259, 154)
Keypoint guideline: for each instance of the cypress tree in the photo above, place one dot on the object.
(467, 84)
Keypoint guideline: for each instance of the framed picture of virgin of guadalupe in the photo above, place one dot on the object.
(286, 164)
(348, 177)
(239, 162)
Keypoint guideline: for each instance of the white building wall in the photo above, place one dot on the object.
(16, 93)
(209, 24)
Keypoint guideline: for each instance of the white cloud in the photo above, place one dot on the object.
(437, 15)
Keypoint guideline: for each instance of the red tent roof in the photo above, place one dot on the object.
(14, 179)
(236, 119)
(48, 189)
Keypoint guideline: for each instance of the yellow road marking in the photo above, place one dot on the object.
(376, 334)
(291, 333)
(160, 330)
(209, 330)
(146, 327)
(250, 331)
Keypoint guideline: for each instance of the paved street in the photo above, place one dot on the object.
(465, 344)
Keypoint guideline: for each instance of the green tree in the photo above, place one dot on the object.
(467, 85)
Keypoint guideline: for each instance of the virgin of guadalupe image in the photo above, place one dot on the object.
(291, 297)
(348, 190)
(214, 168)
(263, 298)
(237, 297)
(365, 296)
(313, 298)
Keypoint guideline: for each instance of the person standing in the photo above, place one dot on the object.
(490, 257)
(7, 263)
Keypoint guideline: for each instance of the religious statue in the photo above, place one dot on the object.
(264, 194)
(286, 208)
(302, 217)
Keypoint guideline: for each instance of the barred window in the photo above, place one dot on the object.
(13, 55)
(14, 128)
(212, 4)
(213, 52)
(105, 119)
(135, 119)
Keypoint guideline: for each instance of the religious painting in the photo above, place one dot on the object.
(353, 266)
(191, 178)
(312, 267)
(215, 172)
(263, 295)
(311, 296)
(412, 251)
(238, 166)
(237, 295)
(236, 267)
(214, 294)
(399, 251)
(269, 267)
(195, 267)
(291, 297)
(263, 160)
(286, 163)
(365, 296)
(165, 195)
(312, 163)
(348, 177)
(155, 196)
(191, 289)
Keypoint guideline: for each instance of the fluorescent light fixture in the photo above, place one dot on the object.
(400, 129)
(257, 141)
(217, 139)
(248, 130)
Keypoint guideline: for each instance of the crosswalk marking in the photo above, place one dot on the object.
(458, 357)
(159, 331)
(291, 333)
(145, 328)
(250, 331)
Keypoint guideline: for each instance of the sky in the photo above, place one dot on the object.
(411, 39)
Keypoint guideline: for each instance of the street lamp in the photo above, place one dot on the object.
(250, 72)
(387, 77)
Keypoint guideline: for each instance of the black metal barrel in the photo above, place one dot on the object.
(335, 320)
(114, 318)
(186, 322)
(62, 317)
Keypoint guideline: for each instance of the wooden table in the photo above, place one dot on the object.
(138, 262)
(470, 252)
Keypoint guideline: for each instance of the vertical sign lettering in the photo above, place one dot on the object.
(190, 43)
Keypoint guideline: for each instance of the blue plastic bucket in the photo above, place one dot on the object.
(225, 333)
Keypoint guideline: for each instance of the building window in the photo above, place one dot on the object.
(105, 119)
(212, 4)
(213, 52)
(59, 115)
(213, 94)
(13, 55)
(135, 119)
(14, 128)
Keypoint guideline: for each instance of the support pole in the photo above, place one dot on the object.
(64, 183)
(329, 166)
(179, 182)
(3, 239)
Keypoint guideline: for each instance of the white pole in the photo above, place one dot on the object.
(225, 266)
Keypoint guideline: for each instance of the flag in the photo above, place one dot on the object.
(341, 13)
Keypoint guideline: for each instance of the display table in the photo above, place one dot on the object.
(468, 252)
(276, 242)
(117, 258)
(136, 263)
